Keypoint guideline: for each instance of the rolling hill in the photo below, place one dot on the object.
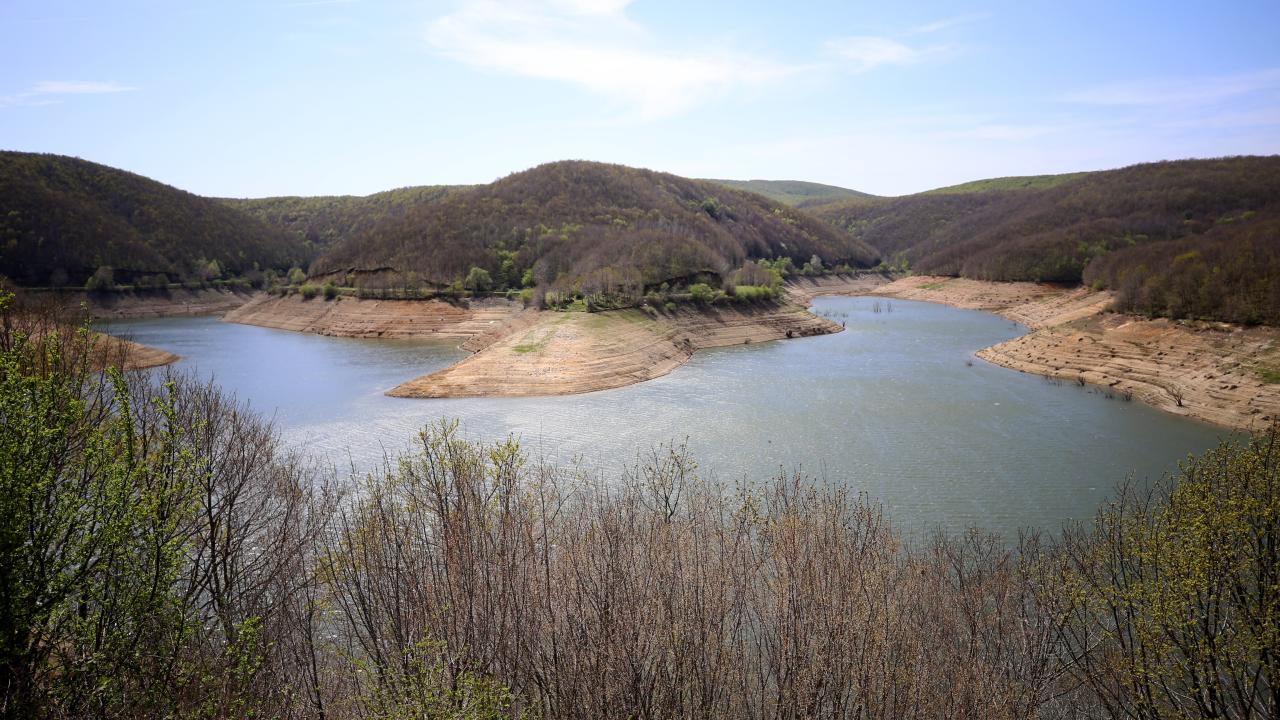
(1190, 238)
(62, 218)
(585, 225)
(793, 192)
(322, 221)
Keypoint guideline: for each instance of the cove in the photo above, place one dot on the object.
(895, 406)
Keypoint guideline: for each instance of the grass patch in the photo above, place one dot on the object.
(1270, 374)
(933, 285)
(533, 343)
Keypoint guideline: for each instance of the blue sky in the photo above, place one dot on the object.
(355, 96)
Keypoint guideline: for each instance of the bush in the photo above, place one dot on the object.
(752, 293)
(103, 279)
(330, 291)
(701, 292)
(309, 291)
(296, 276)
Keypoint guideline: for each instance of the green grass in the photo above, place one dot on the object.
(1270, 374)
(531, 343)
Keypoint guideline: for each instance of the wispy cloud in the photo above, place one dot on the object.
(77, 87)
(866, 52)
(50, 92)
(945, 23)
(594, 45)
(1203, 90)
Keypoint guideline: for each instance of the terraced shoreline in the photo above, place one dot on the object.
(1215, 372)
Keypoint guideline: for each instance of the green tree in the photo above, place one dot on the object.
(90, 540)
(1171, 599)
(102, 279)
(478, 280)
(296, 276)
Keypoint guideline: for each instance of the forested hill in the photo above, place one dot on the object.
(325, 220)
(584, 224)
(793, 192)
(1189, 238)
(62, 218)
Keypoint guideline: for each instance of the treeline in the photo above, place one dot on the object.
(793, 192)
(164, 556)
(62, 219)
(590, 228)
(325, 220)
(1123, 230)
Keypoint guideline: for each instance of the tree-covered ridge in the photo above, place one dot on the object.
(1191, 238)
(591, 226)
(324, 220)
(793, 192)
(62, 218)
(1017, 182)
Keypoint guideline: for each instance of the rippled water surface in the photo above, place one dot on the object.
(895, 406)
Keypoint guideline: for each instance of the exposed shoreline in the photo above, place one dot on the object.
(523, 353)
(1203, 370)
(1208, 371)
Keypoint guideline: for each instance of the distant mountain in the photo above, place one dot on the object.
(61, 218)
(1190, 238)
(793, 192)
(1021, 182)
(583, 222)
(324, 220)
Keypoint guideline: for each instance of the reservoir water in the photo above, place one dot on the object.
(895, 406)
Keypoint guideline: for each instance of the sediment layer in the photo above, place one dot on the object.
(555, 353)
(364, 318)
(1214, 372)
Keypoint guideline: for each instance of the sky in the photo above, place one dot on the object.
(309, 97)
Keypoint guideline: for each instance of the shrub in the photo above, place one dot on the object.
(701, 292)
(102, 279)
(330, 291)
(296, 276)
(309, 291)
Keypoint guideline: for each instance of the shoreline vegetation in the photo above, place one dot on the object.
(1219, 373)
(163, 554)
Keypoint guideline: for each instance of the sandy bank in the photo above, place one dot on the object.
(354, 317)
(559, 353)
(1210, 371)
(129, 355)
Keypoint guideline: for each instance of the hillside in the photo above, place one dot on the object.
(1191, 238)
(590, 227)
(793, 192)
(323, 221)
(62, 218)
(1019, 182)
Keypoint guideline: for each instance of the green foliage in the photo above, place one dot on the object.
(90, 545)
(478, 280)
(102, 279)
(424, 687)
(64, 217)
(296, 276)
(1172, 597)
(330, 291)
(308, 291)
(753, 293)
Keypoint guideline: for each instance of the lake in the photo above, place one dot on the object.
(896, 406)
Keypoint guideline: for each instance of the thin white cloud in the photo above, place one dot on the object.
(1203, 90)
(945, 23)
(593, 44)
(50, 92)
(77, 87)
(867, 52)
